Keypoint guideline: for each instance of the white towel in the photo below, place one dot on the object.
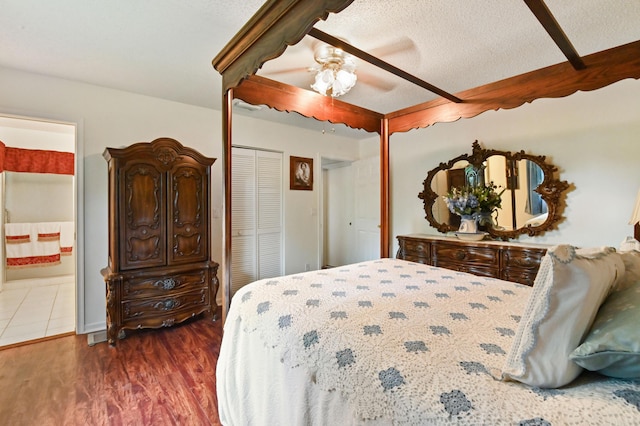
(17, 232)
(67, 238)
(48, 231)
(36, 251)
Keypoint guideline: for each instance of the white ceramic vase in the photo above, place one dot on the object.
(468, 224)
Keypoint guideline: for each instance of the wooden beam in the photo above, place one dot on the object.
(341, 44)
(258, 90)
(556, 81)
(276, 25)
(548, 21)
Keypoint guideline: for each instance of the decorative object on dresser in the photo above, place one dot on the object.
(531, 194)
(476, 204)
(507, 261)
(160, 271)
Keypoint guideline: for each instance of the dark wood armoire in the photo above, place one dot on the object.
(160, 270)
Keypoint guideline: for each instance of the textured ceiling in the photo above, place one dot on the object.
(164, 48)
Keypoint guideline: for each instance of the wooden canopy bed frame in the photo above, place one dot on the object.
(281, 23)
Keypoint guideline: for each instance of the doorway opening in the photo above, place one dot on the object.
(38, 217)
(350, 224)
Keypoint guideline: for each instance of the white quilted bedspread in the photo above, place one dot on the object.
(418, 345)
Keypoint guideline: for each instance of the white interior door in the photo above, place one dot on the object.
(351, 212)
(367, 208)
(337, 205)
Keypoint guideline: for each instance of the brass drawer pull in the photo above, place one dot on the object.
(166, 284)
(166, 305)
(460, 255)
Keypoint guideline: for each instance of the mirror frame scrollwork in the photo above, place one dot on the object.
(551, 190)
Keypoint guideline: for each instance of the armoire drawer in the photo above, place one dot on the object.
(169, 304)
(159, 284)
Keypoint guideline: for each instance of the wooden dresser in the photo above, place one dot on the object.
(507, 261)
(159, 272)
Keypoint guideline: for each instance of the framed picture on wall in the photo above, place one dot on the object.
(301, 173)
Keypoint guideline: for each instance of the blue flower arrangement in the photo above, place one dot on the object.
(469, 201)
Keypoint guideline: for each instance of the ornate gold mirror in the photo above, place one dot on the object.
(530, 193)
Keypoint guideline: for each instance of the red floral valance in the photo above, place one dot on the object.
(36, 161)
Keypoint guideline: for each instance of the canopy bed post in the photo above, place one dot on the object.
(385, 202)
(226, 178)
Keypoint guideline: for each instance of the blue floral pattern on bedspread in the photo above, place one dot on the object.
(418, 345)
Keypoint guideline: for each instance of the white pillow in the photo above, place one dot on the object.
(567, 292)
(631, 275)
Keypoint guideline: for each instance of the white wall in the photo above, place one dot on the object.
(112, 118)
(593, 138)
(301, 208)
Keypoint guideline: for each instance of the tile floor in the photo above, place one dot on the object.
(32, 309)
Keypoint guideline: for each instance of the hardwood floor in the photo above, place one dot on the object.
(153, 377)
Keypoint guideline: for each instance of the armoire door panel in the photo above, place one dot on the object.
(187, 199)
(140, 249)
(188, 228)
(187, 246)
(142, 216)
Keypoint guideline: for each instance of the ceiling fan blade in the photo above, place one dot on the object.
(375, 81)
(400, 44)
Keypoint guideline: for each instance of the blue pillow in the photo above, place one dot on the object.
(612, 346)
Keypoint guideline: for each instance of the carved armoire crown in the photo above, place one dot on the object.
(160, 271)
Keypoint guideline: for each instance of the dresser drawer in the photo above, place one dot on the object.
(447, 253)
(141, 286)
(416, 248)
(521, 264)
(522, 258)
(520, 276)
(167, 305)
(483, 271)
(416, 259)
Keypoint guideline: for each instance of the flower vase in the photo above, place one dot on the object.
(468, 224)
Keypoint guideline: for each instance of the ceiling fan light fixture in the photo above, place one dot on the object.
(336, 75)
(324, 81)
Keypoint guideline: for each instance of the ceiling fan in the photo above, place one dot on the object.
(331, 62)
(335, 72)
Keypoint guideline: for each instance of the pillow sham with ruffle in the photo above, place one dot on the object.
(567, 292)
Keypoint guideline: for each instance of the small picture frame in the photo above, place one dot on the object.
(301, 173)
